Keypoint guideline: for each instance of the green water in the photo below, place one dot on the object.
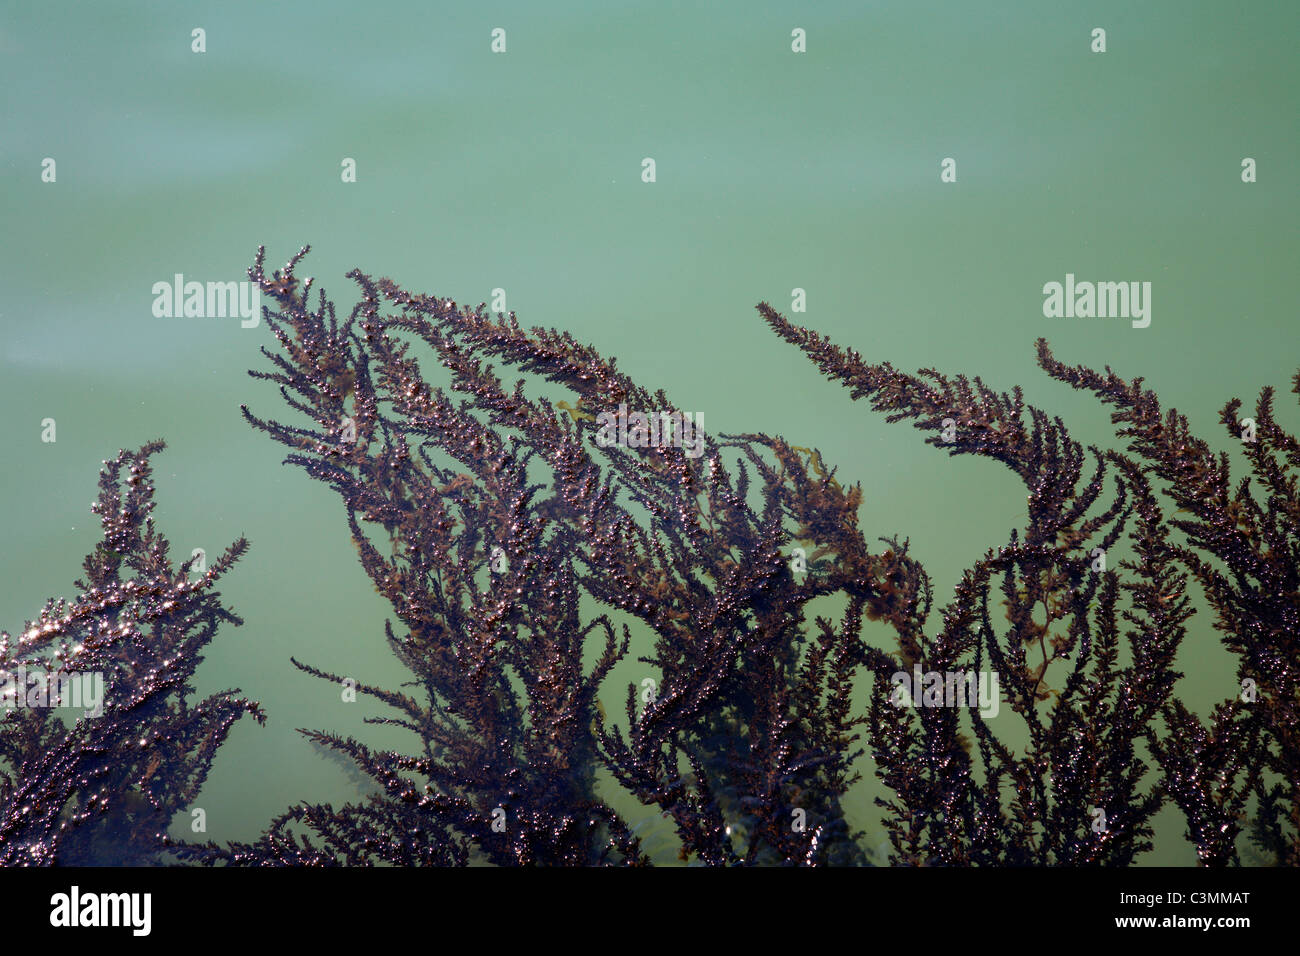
(522, 171)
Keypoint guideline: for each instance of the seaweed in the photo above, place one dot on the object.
(99, 786)
(517, 543)
(1243, 552)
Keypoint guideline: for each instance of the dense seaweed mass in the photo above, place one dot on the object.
(518, 543)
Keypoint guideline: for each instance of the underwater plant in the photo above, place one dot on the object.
(490, 524)
(98, 787)
(516, 539)
(1243, 552)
